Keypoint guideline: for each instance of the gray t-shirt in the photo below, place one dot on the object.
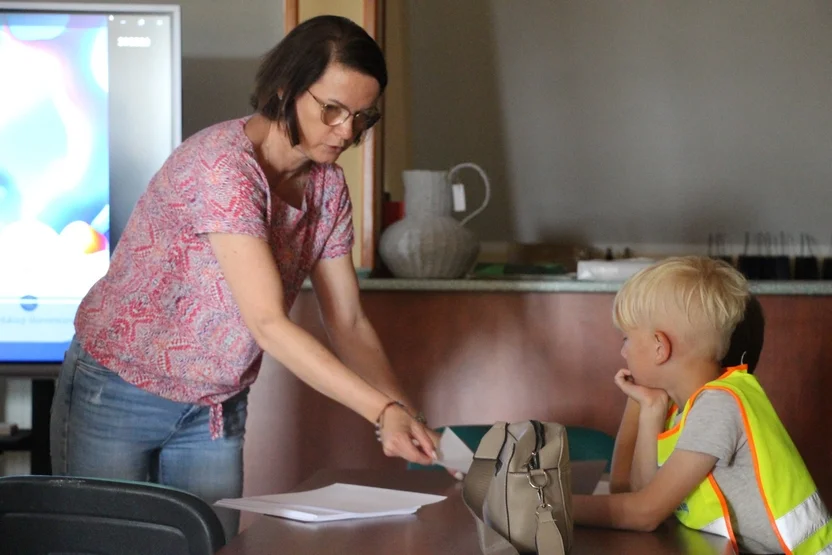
(714, 426)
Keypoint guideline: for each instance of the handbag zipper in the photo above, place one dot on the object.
(539, 437)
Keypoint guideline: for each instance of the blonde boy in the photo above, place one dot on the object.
(722, 463)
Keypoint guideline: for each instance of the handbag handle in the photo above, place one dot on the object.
(485, 466)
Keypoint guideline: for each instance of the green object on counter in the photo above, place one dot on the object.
(506, 269)
(363, 273)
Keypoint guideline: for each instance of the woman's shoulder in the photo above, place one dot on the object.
(215, 151)
(328, 174)
(331, 193)
(218, 140)
(330, 182)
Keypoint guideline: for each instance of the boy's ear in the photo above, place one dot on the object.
(663, 348)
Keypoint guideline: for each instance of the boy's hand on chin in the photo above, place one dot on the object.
(646, 397)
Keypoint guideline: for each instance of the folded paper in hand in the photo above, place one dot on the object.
(335, 502)
(453, 453)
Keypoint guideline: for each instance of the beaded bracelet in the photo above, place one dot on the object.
(420, 417)
(380, 418)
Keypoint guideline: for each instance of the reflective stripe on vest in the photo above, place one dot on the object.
(807, 527)
(799, 519)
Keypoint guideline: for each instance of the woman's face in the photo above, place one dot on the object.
(340, 90)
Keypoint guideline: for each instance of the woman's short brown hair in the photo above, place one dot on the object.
(300, 59)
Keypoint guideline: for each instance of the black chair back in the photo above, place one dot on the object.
(43, 515)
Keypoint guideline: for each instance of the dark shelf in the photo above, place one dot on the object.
(36, 439)
(19, 441)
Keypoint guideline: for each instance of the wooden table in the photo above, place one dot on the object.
(440, 528)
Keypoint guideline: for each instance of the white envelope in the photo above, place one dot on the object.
(453, 453)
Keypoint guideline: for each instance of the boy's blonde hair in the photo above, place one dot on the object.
(697, 300)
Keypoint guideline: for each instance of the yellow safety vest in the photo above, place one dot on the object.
(800, 520)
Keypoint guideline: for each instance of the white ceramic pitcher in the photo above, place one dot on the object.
(429, 242)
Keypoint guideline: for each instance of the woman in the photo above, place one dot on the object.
(167, 344)
(746, 346)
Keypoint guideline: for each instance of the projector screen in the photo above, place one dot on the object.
(89, 110)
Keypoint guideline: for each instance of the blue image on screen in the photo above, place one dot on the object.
(54, 177)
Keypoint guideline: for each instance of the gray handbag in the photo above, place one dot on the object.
(519, 489)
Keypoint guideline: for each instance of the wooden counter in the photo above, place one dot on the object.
(477, 356)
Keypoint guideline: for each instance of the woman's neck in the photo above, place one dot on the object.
(278, 159)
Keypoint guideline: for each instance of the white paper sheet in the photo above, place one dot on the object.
(335, 502)
(603, 488)
(453, 453)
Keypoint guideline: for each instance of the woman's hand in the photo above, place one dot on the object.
(437, 437)
(403, 436)
(646, 397)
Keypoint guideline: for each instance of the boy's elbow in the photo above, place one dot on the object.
(643, 515)
(647, 525)
(647, 518)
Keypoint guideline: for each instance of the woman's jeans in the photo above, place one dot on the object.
(104, 427)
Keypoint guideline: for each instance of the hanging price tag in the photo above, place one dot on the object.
(458, 190)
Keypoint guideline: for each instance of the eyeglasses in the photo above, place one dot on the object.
(334, 115)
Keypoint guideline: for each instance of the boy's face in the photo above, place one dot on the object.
(640, 351)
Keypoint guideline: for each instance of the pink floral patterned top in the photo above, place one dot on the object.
(163, 317)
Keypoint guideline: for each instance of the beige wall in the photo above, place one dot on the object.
(629, 122)
(396, 135)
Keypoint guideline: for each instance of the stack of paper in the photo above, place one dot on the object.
(335, 502)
